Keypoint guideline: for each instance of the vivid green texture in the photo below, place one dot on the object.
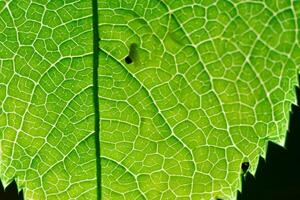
(46, 104)
(210, 84)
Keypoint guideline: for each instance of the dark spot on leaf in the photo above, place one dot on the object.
(128, 60)
(245, 166)
(132, 56)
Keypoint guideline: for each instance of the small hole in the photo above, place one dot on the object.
(245, 166)
(128, 60)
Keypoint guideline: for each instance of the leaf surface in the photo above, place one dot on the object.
(46, 104)
(209, 84)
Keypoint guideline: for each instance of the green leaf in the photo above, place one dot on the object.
(46, 101)
(207, 86)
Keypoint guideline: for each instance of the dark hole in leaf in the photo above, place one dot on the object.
(128, 60)
(245, 166)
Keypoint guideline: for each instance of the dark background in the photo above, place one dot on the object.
(10, 192)
(278, 175)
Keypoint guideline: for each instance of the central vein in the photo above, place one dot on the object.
(95, 93)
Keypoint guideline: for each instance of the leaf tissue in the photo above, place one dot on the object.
(142, 99)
